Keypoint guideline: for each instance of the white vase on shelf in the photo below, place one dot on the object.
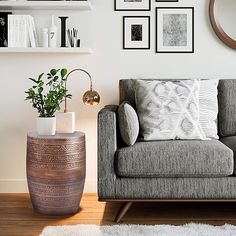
(53, 34)
(44, 38)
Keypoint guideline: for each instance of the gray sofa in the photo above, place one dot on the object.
(167, 170)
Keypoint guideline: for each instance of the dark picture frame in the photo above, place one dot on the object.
(178, 41)
(167, 0)
(117, 8)
(138, 33)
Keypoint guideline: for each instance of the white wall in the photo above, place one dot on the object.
(102, 30)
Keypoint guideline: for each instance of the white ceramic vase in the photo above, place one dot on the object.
(65, 122)
(46, 125)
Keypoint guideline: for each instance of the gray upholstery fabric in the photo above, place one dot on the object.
(231, 143)
(107, 145)
(227, 107)
(128, 123)
(112, 187)
(127, 91)
(177, 188)
(175, 159)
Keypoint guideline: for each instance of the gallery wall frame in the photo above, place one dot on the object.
(174, 30)
(167, 0)
(132, 5)
(136, 32)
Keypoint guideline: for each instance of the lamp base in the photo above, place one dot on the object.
(65, 122)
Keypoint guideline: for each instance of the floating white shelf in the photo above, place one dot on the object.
(47, 50)
(46, 5)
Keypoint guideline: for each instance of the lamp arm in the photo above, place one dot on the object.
(90, 78)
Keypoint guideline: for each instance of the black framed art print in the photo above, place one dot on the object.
(174, 29)
(136, 32)
(132, 5)
(167, 0)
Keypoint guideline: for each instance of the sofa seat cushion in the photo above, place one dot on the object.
(231, 143)
(175, 159)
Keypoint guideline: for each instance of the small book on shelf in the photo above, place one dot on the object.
(21, 31)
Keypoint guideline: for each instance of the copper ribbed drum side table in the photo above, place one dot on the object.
(56, 172)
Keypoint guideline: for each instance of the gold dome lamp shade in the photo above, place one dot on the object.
(90, 97)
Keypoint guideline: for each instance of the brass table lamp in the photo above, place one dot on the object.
(66, 120)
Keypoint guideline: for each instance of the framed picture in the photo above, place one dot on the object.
(167, 0)
(4, 29)
(136, 32)
(132, 5)
(175, 29)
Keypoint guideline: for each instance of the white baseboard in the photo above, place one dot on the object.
(20, 186)
(13, 186)
(90, 186)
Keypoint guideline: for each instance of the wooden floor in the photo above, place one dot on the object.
(18, 218)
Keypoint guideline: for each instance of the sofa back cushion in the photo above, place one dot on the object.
(227, 107)
(226, 101)
(126, 90)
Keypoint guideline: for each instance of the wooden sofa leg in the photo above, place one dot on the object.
(122, 211)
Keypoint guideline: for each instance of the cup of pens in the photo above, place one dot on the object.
(73, 38)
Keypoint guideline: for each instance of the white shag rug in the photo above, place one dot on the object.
(140, 230)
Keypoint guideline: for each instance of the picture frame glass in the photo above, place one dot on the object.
(136, 33)
(132, 5)
(174, 31)
(167, 0)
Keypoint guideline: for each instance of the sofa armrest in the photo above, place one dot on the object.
(107, 146)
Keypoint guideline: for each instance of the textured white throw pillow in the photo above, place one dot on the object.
(208, 107)
(168, 110)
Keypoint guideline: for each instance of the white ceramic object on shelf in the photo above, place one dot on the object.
(65, 122)
(46, 125)
(53, 35)
(45, 37)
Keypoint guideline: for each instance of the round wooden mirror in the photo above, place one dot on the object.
(222, 17)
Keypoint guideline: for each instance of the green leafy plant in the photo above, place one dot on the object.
(46, 95)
